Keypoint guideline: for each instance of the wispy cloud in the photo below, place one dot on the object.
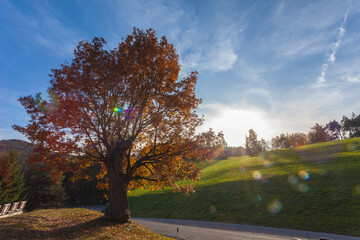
(39, 27)
(332, 57)
(220, 54)
(295, 114)
(209, 43)
(306, 31)
(214, 49)
(351, 78)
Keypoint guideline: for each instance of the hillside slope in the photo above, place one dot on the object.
(314, 187)
(22, 147)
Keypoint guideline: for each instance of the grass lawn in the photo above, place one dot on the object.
(314, 187)
(75, 223)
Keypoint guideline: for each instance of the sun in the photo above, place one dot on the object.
(235, 124)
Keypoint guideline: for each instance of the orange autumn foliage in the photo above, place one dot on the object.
(125, 109)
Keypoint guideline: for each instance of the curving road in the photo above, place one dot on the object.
(199, 230)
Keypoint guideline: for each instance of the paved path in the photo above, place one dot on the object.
(200, 230)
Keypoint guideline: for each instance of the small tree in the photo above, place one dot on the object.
(220, 153)
(281, 141)
(318, 134)
(334, 129)
(351, 125)
(298, 139)
(123, 109)
(289, 140)
(252, 145)
(235, 151)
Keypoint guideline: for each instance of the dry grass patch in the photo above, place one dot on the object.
(75, 223)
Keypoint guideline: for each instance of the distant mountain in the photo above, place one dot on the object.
(24, 148)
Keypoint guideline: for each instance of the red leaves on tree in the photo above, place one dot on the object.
(125, 109)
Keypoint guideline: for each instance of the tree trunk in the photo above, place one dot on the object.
(117, 209)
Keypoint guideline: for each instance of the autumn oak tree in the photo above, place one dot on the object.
(125, 110)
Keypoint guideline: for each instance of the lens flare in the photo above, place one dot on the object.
(352, 147)
(293, 180)
(264, 179)
(212, 209)
(261, 157)
(116, 109)
(304, 175)
(268, 163)
(356, 190)
(275, 206)
(257, 175)
(303, 187)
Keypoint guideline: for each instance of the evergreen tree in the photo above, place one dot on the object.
(84, 191)
(13, 181)
(3, 191)
(43, 191)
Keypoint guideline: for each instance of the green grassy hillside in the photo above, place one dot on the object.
(314, 187)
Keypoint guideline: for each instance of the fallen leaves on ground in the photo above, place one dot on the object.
(71, 223)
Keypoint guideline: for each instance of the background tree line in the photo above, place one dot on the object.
(21, 181)
(333, 130)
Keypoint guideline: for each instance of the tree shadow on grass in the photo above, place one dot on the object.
(22, 229)
(320, 203)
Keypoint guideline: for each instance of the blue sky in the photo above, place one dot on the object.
(274, 66)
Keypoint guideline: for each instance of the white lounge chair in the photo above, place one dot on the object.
(22, 206)
(5, 210)
(14, 208)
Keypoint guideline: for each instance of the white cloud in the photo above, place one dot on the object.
(213, 51)
(351, 78)
(332, 58)
(280, 8)
(294, 111)
(206, 43)
(324, 69)
(220, 58)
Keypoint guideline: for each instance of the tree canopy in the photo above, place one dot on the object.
(252, 145)
(125, 110)
(352, 125)
(318, 134)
